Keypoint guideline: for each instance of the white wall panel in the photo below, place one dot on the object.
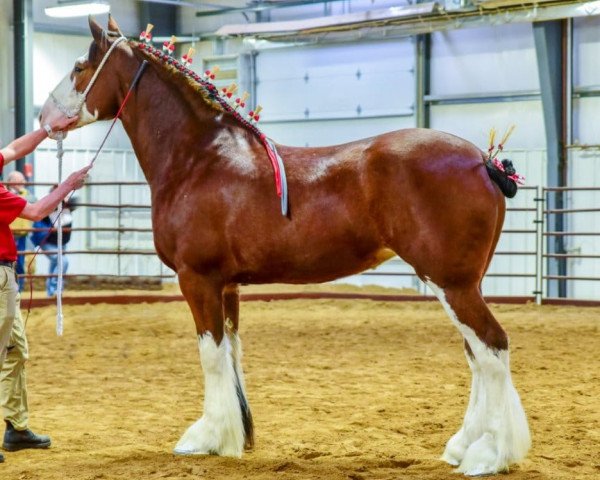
(322, 133)
(586, 51)
(336, 81)
(54, 57)
(473, 121)
(484, 60)
(584, 172)
(586, 128)
(6, 72)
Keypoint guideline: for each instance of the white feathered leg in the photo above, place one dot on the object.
(220, 431)
(495, 432)
(458, 443)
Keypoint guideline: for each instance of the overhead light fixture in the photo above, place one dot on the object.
(333, 21)
(66, 9)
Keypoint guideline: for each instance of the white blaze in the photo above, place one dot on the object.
(70, 100)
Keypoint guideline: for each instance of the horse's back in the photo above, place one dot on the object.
(426, 148)
(404, 151)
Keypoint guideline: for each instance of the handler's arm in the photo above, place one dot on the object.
(26, 144)
(43, 207)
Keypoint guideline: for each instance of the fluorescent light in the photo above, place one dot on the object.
(78, 9)
(590, 8)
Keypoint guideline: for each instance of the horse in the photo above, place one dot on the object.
(421, 194)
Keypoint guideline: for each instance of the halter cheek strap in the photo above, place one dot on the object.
(71, 112)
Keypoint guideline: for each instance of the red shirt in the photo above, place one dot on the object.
(11, 206)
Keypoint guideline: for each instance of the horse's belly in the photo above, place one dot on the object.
(315, 269)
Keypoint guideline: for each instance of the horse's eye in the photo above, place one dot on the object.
(77, 69)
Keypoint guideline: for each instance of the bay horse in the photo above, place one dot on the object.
(423, 195)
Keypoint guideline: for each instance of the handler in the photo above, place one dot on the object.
(13, 342)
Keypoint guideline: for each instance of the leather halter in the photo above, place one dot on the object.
(82, 96)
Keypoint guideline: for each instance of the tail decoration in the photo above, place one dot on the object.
(503, 172)
(225, 98)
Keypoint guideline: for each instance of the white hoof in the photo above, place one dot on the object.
(455, 449)
(197, 440)
(202, 438)
(483, 458)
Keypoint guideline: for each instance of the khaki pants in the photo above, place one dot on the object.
(13, 352)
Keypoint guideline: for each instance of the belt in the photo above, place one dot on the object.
(6, 263)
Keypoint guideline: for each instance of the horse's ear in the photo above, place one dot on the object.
(113, 26)
(97, 31)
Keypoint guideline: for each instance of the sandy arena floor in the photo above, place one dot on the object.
(339, 390)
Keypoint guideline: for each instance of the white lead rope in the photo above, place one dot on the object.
(59, 234)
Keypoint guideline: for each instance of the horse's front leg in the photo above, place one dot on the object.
(220, 431)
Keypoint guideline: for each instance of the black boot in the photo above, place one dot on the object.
(20, 439)
(1, 458)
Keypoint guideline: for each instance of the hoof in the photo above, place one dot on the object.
(189, 450)
(202, 438)
(199, 439)
(482, 458)
(455, 449)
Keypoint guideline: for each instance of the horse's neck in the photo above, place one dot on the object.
(162, 116)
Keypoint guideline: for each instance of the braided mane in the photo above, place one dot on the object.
(170, 66)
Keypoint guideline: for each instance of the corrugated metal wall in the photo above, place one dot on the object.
(480, 78)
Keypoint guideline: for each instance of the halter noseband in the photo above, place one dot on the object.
(82, 96)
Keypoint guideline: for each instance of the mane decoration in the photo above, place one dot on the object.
(225, 99)
(502, 172)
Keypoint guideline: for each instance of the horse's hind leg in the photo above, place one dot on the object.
(221, 429)
(494, 433)
(231, 313)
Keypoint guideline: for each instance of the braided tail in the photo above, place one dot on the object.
(502, 174)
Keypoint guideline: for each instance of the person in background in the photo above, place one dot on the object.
(50, 243)
(15, 183)
(13, 342)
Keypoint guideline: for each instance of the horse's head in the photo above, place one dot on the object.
(93, 89)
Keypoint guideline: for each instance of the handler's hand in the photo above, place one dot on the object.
(64, 123)
(59, 122)
(78, 178)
